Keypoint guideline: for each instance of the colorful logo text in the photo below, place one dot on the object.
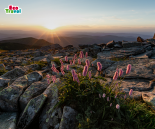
(13, 10)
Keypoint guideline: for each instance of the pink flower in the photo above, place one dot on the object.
(73, 61)
(48, 76)
(115, 76)
(75, 57)
(99, 96)
(85, 70)
(128, 69)
(110, 104)
(80, 74)
(63, 73)
(61, 61)
(130, 92)
(66, 58)
(73, 72)
(120, 72)
(48, 81)
(117, 69)
(111, 118)
(62, 67)
(75, 77)
(107, 98)
(87, 62)
(115, 96)
(54, 78)
(67, 67)
(70, 62)
(117, 106)
(89, 73)
(99, 65)
(54, 69)
(81, 54)
(103, 95)
(86, 54)
(125, 96)
(79, 61)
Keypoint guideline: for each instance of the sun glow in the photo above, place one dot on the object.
(51, 26)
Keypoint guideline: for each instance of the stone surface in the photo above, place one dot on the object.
(110, 44)
(15, 73)
(68, 120)
(2, 67)
(50, 118)
(4, 83)
(141, 68)
(154, 36)
(32, 91)
(8, 120)
(10, 95)
(139, 39)
(131, 44)
(105, 63)
(31, 111)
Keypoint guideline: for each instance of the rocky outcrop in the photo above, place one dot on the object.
(34, 90)
(110, 44)
(50, 117)
(34, 99)
(154, 36)
(2, 67)
(139, 39)
(8, 120)
(10, 95)
(68, 120)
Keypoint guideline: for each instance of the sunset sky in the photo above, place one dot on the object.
(80, 15)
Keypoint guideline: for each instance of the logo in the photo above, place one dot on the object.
(13, 10)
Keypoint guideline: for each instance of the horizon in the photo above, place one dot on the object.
(81, 16)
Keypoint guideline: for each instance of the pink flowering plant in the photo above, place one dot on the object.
(98, 105)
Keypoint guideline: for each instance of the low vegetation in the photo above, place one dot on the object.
(3, 71)
(101, 107)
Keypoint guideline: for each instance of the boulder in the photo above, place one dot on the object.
(81, 46)
(68, 120)
(110, 44)
(2, 67)
(15, 73)
(10, 95)
(102, 44)
(42, 58)
(31, 112)
(38, 53)
(32, 67)
(149, 98)
(154, 36)
(8, 120)
(3, 83)
(146, 55)
(34, 90)
(131, 44)
(50, 117)
(68, 47)
(141, 68)
(139, 39)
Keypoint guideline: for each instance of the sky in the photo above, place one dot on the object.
(80, 15)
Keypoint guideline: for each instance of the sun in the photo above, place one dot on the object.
(51, 26)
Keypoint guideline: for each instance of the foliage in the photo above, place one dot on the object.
(56, 60)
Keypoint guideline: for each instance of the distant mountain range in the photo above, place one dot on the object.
(24, 43)
(33, 40)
